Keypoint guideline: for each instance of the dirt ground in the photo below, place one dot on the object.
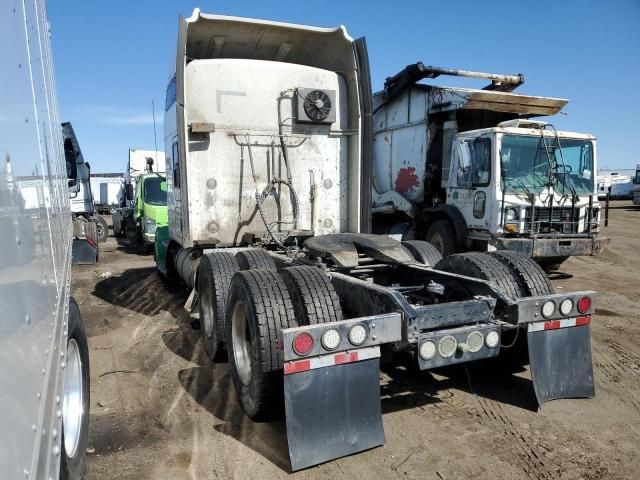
(161, 410)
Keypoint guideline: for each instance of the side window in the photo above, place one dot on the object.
(175, 164)
(170, 99)
(463, 165)
(481, 162)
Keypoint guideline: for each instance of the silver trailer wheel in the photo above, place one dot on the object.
(73, 400)
(241, 342)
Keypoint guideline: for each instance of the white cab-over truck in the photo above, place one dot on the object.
(268, 138)
(44, 363)
(467, 169)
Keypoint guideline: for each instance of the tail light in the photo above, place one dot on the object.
(331, 339)
(584, 304)
(303, 344)
(357, 334)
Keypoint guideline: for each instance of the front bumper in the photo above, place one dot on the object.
(543, 247)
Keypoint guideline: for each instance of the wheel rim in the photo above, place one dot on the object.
(73, 400)
(100, 230)
(436, 241)
(241, 342)
(207, 309)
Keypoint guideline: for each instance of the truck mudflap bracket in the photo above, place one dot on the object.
(332, 398)
(559, 346)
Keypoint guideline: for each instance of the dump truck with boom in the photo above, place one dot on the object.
(467, 169)
(268, 138)
(44, 372)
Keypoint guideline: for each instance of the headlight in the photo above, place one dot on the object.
(149, 225)
(510, 214)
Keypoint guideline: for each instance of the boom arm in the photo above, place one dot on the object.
(417, 71)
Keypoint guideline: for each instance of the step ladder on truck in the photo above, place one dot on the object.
(267, 139)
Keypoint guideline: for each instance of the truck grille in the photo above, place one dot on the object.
(562, 220)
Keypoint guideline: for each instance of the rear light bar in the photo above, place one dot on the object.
(555, 307)
(344, 336)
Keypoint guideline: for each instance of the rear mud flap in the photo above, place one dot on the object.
(83, 253)
(560, 360)
(333, 411)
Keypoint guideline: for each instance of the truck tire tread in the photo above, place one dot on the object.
(533, 281)
(485, 267)
(312, 294)
(255, 258)
(215, 271)
(269, 310)
(423, 252)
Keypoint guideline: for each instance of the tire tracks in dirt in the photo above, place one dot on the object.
(522, 446)
(616, 370)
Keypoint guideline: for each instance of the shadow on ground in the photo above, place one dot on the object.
(406, 388)
(142, 290)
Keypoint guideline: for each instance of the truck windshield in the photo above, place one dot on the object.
(155, 190)
(527, 167)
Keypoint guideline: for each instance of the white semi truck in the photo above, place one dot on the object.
(89, 228)
(268, 136)
(467, 169)
(44, 367)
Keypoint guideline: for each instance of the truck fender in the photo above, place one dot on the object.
(451, 213)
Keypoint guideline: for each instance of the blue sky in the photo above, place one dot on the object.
(112, 58)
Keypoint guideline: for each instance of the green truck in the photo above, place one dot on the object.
(143, 198)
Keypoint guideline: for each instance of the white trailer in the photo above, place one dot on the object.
(44, 369)
(105, 188)
(267, 135)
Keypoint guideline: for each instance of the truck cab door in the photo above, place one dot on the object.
(470, 179)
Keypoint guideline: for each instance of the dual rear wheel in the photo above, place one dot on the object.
(243, 310)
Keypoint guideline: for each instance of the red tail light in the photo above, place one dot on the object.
(303, 343)
(584, 304)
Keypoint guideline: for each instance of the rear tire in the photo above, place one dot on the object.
(255, 258)
(532, 279)
(75, 407)
(533, 282)
(102, 229)
(312, 294)
(214, 277)
(423, 252)
(258, 308)
(442, 236)
(485, 267)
